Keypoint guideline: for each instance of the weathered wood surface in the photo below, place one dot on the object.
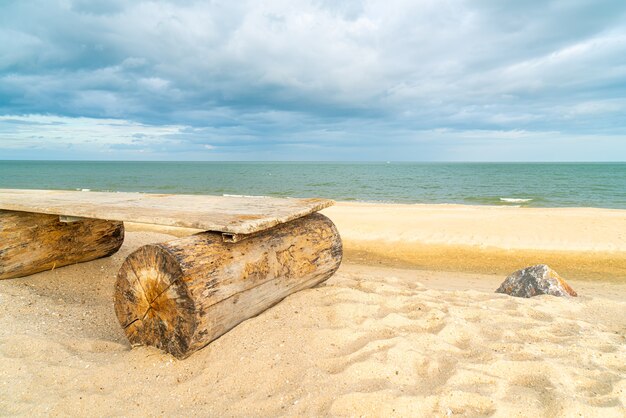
(181, 295)
(228, 214)
(32, 242)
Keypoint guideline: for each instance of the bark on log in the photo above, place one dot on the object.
(34, 242)
(181, 295)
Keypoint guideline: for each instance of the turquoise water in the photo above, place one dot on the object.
(520, 184)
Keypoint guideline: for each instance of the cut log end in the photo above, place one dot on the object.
(155, 308)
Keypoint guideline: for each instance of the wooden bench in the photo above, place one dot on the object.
(181, 294)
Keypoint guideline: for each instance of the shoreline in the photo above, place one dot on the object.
(505, 227)
(580, 243)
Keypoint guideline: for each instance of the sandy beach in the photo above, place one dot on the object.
(581, 243)
(409, 326)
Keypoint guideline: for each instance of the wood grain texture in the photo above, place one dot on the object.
(182, 294)
(229, 214)
(31, 242)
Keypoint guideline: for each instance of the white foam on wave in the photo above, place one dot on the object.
(514, 200)
(243, 195)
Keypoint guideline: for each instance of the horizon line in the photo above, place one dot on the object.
(325, 161)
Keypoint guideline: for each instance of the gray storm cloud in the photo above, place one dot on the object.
(345, 79)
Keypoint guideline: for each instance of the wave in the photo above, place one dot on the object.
(243, 195)
(514, 200)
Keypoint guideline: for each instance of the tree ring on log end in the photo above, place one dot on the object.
(152, 302)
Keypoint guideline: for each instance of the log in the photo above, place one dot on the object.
(34, 242)
(181, 295)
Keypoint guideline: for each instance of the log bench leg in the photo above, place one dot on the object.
(182, 294)
(34, 242)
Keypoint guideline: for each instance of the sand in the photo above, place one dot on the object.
(373, 340)
(581, 243)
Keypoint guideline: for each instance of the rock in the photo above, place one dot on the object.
(535, 280)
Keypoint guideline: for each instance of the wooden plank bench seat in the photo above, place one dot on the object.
(237, 215)
(181, 294)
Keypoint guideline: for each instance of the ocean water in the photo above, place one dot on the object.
(509, 184)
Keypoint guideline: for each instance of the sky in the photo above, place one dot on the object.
(323, 80)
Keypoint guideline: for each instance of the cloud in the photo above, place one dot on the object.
(355, 75)
(50, 132)
(54, 137)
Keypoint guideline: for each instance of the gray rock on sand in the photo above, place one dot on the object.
(535, 280)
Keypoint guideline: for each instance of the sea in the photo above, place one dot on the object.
(505, 184)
